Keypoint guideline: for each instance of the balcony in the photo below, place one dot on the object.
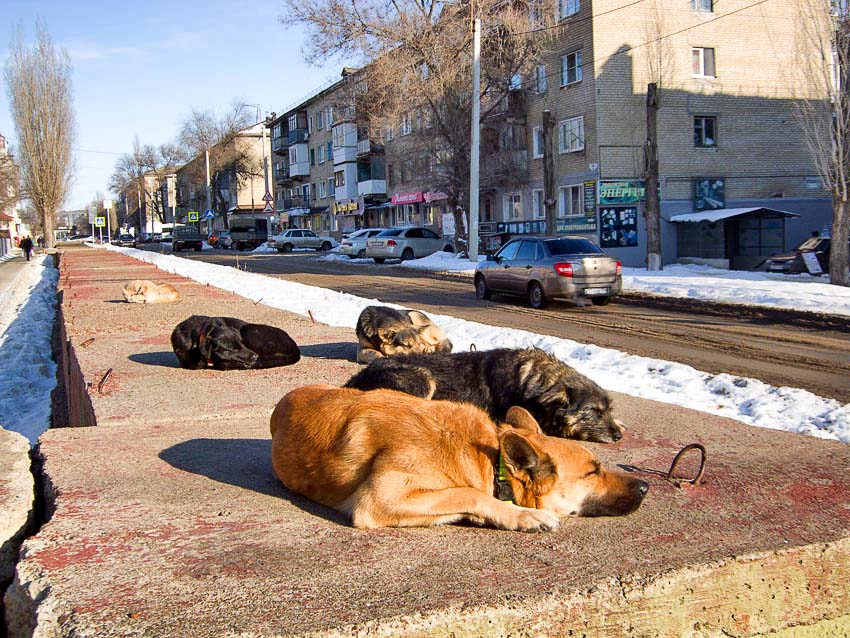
(280, 144)
(372, 187)
(504, 168)
(299, 169)
(281, 174)
(293, 202)
(514, 106)
(365, 147)
(297, 135)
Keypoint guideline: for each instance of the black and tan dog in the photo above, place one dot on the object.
(385, 332)
(565, 403)
(392, 460)
(225, 343)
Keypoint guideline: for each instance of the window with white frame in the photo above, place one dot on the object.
(293, 122)
(322, 152)
(705, 131)
(329, 115)
(537, 204)
(309, 124)
(338, 136)
(513, 206)
(516, 82)
(339, 179)
(331, 187)
(703, 60)
(305, 193)
(540, 78)
(537, 142)
(536, 17)
(390, 134)
(406, 125)
(702, 5)
(293, 155)
(320, 120)
(572, 135)
(322, 189)
(569, 201)
(571, 68)
(567, 8)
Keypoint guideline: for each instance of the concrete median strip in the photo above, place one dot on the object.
(170, 522)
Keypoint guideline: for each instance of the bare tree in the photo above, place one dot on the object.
(823, 61)
(10, 181)
(38, 81)
(417, 57)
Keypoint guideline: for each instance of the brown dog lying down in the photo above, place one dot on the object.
(389, 459)
(383, 332)
(145, 291)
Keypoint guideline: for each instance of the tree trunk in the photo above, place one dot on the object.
(653, 209)
(47, 221)
(839, 253)
(549, 200)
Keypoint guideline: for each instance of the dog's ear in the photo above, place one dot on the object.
(530, 466)
(386, 335)
(418, 319)
(522, 419)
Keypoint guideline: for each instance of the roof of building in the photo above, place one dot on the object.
(726, 213)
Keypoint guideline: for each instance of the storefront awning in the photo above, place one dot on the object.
(378, 206)
(727, 213)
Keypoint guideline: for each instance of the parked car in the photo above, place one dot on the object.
(186, 237)
(406, 243)
(163, 237)
(792, 263)
(354, 245)
(545, 268)
(301, 238)
(126, 240)
(220, 239)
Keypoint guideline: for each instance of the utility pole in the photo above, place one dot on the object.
(652, 213)
(474, 148)
(549, 200)
(209, 193)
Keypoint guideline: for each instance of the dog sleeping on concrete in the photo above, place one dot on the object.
(385, 332)
(225, 343)
(145, 291)
(564, 402)
(389, 459)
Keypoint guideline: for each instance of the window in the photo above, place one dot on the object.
(320, 120)
(527, 250)
(540, 78)
(703, 62)
(339, 179)
(516, 82)
(535, 15)
(569, 201)
(277, 131)
(312, 157)
(537, 142)
(705, 131)
(331, 187)
(293, 122)
(330, 151)
(566, 8)
(338, 137)
(305, 193)
(313, 190)
(322, 154)
(571, 68)
(329, 115)
(406, 125)
(537, 204)
(322, 189)
(390, 134)
(293, 155)
(702, 5)
(310, 124)
(429, 234)
(508, 251)
(572, 135)
(513, 206)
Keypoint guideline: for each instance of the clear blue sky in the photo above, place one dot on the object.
(140, 68)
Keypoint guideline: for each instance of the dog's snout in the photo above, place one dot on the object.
(643, 487)
(616, 435)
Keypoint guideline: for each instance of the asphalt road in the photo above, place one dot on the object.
(782, 349)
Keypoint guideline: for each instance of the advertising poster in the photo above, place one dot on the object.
(619, 226)
(590, 198)
(709, 193)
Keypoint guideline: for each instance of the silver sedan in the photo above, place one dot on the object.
(406, 243)
(545, 268)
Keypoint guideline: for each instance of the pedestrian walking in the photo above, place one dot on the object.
(40, 241)
(26, 246)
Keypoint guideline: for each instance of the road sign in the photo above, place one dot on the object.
(267, 197)
(209, 213)
(193, 215)
(99, 222)
(268, 208)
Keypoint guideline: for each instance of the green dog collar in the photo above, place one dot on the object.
(504, 491)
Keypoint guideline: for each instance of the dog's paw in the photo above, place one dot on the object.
(532, 520)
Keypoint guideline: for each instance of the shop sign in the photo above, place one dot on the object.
(487, 228)
(622, 192)
(434, 196)
(345, 208)
(521, 228)
(407, 198)
(590, 197)
(567, 225)
(709, 193)
(619, 226)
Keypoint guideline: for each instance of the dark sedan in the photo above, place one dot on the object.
(793, 263)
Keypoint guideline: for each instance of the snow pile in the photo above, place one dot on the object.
(746, 400)
(27, 369)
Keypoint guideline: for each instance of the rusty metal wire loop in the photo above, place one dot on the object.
(668, 475)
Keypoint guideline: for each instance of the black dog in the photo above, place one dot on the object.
(225, 343)
(564, 402)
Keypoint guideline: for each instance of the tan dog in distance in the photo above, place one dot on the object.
(146, 291)
(383, 332)
(389, 459)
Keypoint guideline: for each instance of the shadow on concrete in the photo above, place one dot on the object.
(244, 463)
(345, 350)
(164, 359)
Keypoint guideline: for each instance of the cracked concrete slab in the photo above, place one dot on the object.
(170, 521)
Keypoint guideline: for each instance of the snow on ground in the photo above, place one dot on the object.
(27, 310)
(791, 292)
(747, 400)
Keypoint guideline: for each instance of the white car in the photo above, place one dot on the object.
(354, 245)
(406, 243)
(301, 238)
